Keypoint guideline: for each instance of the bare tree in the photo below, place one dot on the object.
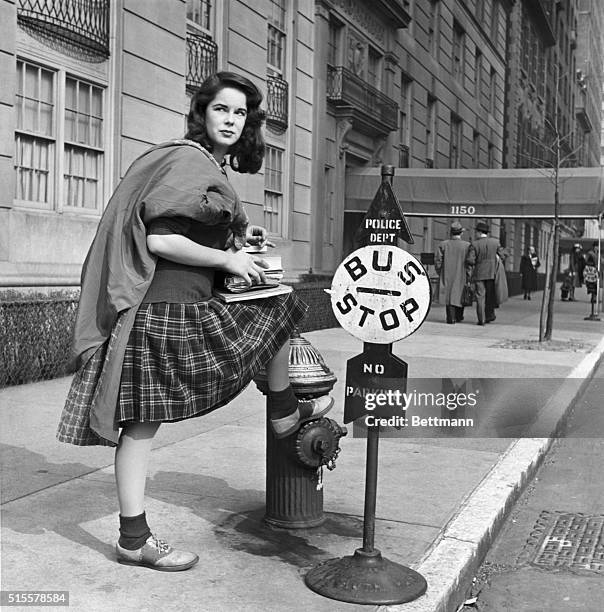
(554, 159)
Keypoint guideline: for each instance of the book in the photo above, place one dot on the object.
(273, 275)
(255, 292)
(235, 289)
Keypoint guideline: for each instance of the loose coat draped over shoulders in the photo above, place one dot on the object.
(174, 179)
(177, 178)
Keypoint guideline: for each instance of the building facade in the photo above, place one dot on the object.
(589, 79)
(551, 108)
(347, 84)
(445, 76)
(88, 91)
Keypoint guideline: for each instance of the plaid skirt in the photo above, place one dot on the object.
(183, 360)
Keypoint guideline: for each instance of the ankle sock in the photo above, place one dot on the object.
(134, 531)
(282, 403)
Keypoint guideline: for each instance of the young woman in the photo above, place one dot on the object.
(151, 344)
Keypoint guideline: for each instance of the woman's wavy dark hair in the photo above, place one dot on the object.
(247, 153)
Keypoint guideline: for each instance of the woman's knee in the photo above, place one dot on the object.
(140, 431)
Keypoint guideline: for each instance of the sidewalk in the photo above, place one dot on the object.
(439, 499)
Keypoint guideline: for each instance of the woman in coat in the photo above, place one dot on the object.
(151, 343)
(528, 269)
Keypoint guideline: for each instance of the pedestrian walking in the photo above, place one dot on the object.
(454, 269)
(529, 263)
(592, 271)
(576, 266)
(151, 344)
(484, 254)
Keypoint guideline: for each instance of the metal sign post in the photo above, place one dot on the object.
(380, 294)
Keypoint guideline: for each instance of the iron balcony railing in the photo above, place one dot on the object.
(82, 23)
(346, 88)
(277, 103)
(202, 59)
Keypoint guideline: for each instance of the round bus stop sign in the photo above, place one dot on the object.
(380, 294)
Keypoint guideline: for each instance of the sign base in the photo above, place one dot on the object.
(366, 578)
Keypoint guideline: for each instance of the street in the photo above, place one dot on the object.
(549, 556)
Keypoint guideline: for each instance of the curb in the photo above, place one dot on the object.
(453, 559)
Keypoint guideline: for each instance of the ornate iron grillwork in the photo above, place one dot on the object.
(344, 88)
(83, 24)
(277, 102)
(202, 59)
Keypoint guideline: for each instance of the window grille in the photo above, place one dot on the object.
(202, 59)
(75, 23)
(277, 103)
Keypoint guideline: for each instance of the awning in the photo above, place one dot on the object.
(526, 193)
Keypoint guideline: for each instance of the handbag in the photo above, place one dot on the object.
(468, 294)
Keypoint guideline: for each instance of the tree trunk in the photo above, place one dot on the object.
(554, 272)
(545, 299)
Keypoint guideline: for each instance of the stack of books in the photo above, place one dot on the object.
(235, 289)
(273, 275)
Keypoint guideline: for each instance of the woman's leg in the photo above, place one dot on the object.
(137, 546)
(131, 463)
(277, 369)
(287, 413)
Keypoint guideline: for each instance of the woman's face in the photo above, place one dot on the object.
(225, 119)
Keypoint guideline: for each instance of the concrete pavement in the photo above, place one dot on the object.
(439, 502)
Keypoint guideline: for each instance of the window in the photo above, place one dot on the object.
(492, 91)
(275, 46)
(35, 139)
(83, 165)
(273, 189)
(404, 118)
(200, 13)
(491, 155)
(495, 22)
(433, 18)
(328, 228)
(374, 67)
(479, 10)
(475, 149)
(333, 43)
(431, 124)
(47, 149)
(458, 56)
(478, 75)
(455, 142)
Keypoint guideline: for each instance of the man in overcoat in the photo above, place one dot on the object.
(451, 260)
(483, 253)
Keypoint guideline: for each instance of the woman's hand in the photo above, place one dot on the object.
(256, 235)
(248, 267)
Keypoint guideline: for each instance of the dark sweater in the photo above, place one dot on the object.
(180, 283)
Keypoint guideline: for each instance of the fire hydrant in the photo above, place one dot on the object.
(294, 465)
